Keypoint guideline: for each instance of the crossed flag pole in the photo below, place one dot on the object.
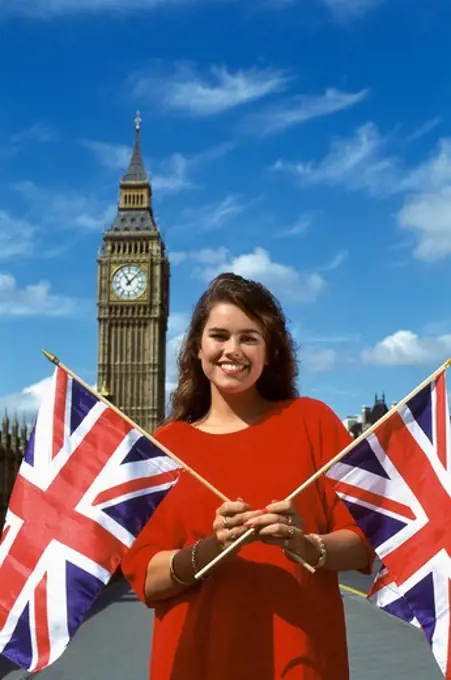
(325, 468)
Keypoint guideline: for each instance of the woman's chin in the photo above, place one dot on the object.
(232, 387)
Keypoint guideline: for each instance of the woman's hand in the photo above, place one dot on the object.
(229, 522)
(280, 524)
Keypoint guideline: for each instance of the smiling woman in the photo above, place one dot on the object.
(237, 421)
(237, 341)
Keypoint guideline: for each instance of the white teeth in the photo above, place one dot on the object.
(232, 367)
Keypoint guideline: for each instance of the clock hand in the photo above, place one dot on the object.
(133, 278)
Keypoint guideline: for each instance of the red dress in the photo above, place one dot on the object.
(259, 616)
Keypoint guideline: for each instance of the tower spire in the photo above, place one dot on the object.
(136, 171)
(135, 196)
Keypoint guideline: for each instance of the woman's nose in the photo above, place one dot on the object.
(232, 346)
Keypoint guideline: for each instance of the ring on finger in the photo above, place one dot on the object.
(291, 533)
(290, 520)
(225, 522)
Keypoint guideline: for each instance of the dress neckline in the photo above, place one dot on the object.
(277, 408)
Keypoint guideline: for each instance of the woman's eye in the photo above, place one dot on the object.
(249, 338)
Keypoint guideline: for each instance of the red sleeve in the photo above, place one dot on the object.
(334, 438)
(164, 531)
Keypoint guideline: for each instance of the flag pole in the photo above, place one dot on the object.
(54, 360)
(332, 462)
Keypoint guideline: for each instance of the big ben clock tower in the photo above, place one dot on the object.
(133, 302)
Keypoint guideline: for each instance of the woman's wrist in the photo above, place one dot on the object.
(316, 550)
(186, 562)
(311, 548)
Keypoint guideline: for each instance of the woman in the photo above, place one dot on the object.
(259, 614)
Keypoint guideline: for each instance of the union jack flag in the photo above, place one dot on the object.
(86, 487)
(397, 485)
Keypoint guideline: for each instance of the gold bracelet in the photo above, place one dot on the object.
(318, 542)
(173, 574)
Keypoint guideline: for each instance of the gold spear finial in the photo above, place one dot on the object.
(51, 357)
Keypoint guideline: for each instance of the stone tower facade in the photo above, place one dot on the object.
(13, 444)
(133, 302)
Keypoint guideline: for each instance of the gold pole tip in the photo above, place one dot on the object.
(51, 357)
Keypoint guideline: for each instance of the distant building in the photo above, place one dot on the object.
(369, 415)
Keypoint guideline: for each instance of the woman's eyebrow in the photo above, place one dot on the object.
(216, 329)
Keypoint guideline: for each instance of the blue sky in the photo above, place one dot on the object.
(304, 143)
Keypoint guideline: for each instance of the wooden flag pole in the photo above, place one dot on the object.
(331, 463)
(54, 360)
(57, 362)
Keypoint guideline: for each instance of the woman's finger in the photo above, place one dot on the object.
(282, 508)
(269, 519)
(229, 521)
(231, 508)
(279, 530)
(229, 536)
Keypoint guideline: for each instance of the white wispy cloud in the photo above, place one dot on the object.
(176, 172)
(212, 215)
(282, 279)
(363, 163)
(300, 109)
(111, 156)
(317, 360)
(65, 209)
(55, 8)
(357, 162)
(167, 175)
(345, 9)
(44, 9)
(37, 132)
(207, 256)
(26, 402)
(35, 299)
(406, 348)
(17, 236)
(428, 214)
(336, 261)
(186, 91)
(424, 129)
(298, 228)
(171, 175)
(426, 210)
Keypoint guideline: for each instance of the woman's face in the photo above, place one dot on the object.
(233, 349)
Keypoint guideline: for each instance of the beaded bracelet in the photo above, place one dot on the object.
(321, 546)
(194, 562)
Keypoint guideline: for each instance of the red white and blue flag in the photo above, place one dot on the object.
(86, 487)
(397, 485)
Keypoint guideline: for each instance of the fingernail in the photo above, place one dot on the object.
(241, 500)
(249, 523)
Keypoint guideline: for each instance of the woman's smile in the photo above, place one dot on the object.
(230, 368)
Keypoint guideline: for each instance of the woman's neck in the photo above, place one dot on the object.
(234, 411)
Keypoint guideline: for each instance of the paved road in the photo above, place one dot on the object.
(114, 643)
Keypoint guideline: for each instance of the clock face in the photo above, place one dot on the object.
(129, 282)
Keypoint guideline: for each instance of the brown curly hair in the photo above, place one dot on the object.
(191, 398)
